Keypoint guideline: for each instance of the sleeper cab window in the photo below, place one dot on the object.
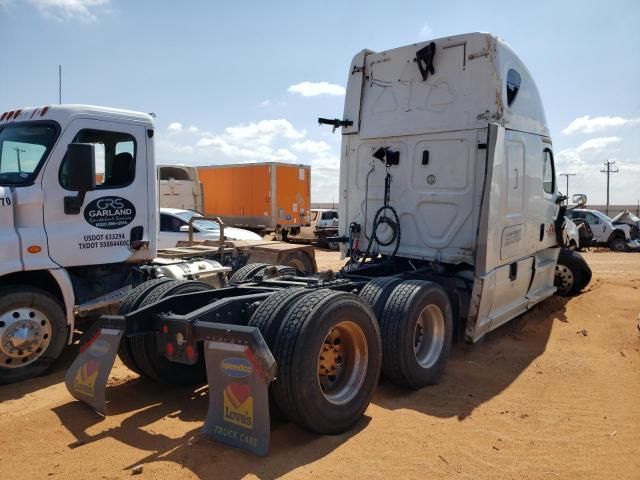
(513, 85)
(548, 172)
(115, 158)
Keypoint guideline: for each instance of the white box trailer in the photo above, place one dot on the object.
(179, 187)
(450, 216)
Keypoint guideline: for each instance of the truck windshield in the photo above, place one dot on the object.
(23, 149)
(201, 224)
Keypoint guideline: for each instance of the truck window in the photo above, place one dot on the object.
(513, 85)
(169, 223)
(115, 158)
(329, 215)
(548, 172)
(23, 149)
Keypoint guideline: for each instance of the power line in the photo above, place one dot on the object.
(567, 175)
(609, 171)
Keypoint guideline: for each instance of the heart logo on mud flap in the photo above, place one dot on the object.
(238, 393)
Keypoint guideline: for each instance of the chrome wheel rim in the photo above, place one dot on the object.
(428, 337)
(342, 362)
(25, 334)
(565, 277)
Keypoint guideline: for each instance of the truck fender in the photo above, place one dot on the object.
(61, 276)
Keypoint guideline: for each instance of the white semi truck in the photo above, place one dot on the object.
(450, 217)
(73, 242)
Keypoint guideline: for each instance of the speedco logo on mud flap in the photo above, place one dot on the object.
(86, 377)
(99, 348)
(109, 213)
(236, 367)
(238, 405)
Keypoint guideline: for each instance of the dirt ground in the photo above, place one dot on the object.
(554, 394)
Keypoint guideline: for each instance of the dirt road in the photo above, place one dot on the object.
(554, 394)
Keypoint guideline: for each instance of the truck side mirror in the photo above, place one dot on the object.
(579, 199)
(80, 174)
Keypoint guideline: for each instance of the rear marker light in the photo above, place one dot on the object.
(34, 249)
(3, 115)
(18, 112)
(44, 110)
(169, 349)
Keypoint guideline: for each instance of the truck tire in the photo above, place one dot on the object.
(33, 332)
(329, 356)
(132, 302)
(247, 272)
(572, 273)
(618, 243)
(298, 260)
(145, 351)
(417, 332)
(272, 271)
(377, 291)
(267, 318)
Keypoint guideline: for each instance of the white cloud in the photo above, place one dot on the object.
(264, 131)
(597, 144)
(83, 10)
(587, 124)
(313, 89)
(425, 32)
(311, 146)
(175, 127)
(265, 103)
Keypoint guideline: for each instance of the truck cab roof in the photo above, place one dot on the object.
(474, 79)
(63, 114)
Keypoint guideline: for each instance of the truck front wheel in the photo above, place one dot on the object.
(572, 273)
(33, 332)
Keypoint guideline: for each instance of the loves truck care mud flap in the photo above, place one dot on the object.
(87, 377)
(238, 396)
(239, 365)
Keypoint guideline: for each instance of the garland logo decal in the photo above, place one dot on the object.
(109, 213)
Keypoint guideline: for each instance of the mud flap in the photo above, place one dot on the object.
(239, 378)
(87, 377)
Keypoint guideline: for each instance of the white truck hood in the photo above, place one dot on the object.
(232, 233)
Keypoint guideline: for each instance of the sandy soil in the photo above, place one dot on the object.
(553, 394)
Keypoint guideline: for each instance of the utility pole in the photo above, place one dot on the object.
(60, 84)
(567, 175)
(18, 152)
(609, 171)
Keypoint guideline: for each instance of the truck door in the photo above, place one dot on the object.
(504, 263)
(113, 214)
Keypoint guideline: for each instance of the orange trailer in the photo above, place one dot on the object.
(264, 197)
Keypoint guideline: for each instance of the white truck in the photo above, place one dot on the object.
(618, 236)
(450, 216)
(73, 242)
(322, 227)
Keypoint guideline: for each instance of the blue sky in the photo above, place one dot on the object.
(245, 81)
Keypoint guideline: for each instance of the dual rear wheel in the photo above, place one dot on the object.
(329, 346)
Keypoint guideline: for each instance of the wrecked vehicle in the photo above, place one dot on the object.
(618, 236)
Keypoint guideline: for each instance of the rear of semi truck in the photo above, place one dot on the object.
(448, 214)
(265, 197)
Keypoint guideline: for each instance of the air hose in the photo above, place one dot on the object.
(394, 224)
